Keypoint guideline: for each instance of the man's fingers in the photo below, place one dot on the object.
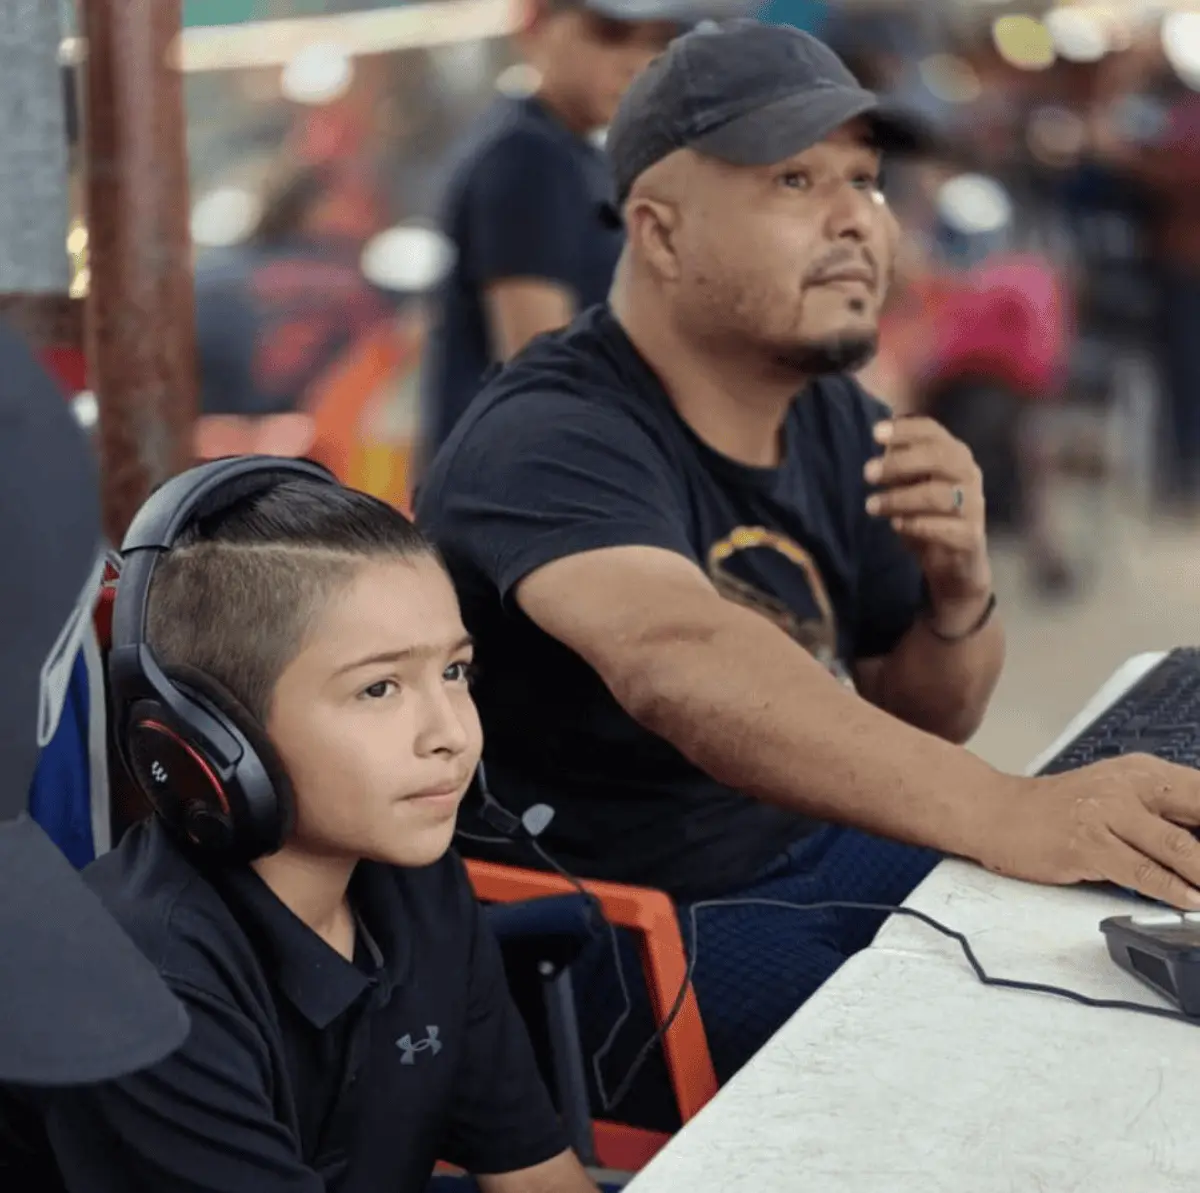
(907, 464)
(925, 497)
(954, 532)
(905, 432)
(1174, 792)
(1167, 844)
(1127, 867)
(947, 461)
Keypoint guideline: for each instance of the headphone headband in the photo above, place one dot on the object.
(199, 492)
(207, 489)
(203, 762)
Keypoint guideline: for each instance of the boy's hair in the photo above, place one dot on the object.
(236, 596)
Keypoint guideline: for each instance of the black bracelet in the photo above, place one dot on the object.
(980, 623)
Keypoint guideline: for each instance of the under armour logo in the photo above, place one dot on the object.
(158, 772)
(430, 1044)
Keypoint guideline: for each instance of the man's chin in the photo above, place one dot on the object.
(845, 352)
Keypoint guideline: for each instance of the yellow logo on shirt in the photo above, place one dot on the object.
(818, 635)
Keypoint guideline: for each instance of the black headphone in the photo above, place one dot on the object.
(201, 758)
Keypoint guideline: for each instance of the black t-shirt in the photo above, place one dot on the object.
(305, 1072)
(576, 446)
(524, 201)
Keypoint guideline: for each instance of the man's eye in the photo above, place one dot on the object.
(869, 182)
(379, 690)
(796, 180)
(459, 673)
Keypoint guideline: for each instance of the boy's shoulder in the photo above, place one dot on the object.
(169, 909)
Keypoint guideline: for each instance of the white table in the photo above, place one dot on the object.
(904, 1074)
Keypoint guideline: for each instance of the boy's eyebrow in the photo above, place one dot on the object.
(411, 652)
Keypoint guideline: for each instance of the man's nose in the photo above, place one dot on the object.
(852, 214)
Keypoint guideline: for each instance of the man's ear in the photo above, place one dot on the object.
(651, 226)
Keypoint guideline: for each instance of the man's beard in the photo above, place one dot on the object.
(838, 354)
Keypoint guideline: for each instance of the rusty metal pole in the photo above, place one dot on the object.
(140, 312)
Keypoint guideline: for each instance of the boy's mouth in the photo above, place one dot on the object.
(441, 792)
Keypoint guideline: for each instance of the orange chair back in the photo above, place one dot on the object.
(652, 917)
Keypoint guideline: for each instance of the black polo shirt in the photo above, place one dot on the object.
(523, 201)
(574, 447)
(305, 1072)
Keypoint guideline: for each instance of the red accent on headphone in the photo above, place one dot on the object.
(217, 785)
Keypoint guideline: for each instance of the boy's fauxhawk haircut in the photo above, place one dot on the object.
(237, 595)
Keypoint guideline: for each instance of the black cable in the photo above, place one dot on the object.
(598, 1057)
(458, 832)
(517, 831)
(1106, 1004)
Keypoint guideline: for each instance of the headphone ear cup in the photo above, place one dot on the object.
(261, 813)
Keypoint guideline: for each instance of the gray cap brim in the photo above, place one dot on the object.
(791, 125)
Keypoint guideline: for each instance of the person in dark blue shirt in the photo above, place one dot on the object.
(733, 620)
(525, 198)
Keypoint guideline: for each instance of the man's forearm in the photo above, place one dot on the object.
(941, 687)
(758, 713)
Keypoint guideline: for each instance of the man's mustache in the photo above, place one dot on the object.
(844, 261)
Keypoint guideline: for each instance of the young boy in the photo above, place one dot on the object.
(351, 1024)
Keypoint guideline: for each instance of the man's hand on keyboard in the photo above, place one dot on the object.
(1126, 820)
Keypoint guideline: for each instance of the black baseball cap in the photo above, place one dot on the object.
(746, 93)
(78, 1002)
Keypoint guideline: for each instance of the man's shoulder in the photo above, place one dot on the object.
(585, 360)
(563, 385)
(166, 906)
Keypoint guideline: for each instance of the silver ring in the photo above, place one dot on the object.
(959, 498)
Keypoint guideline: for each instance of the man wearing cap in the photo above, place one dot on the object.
(78, 1003)
(733, 620)
(524, 198)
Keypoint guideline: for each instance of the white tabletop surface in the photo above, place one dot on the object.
(903, 1073)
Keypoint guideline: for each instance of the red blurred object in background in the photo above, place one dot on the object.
(1007, 322)
(68, 366)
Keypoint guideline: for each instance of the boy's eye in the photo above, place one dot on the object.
(380, 689)
(459, 673)
(796, 180)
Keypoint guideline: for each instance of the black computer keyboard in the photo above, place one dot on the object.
(1160, 716)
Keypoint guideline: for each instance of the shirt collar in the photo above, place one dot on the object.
(318, 980)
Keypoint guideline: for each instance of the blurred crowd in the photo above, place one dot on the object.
(1043, 306)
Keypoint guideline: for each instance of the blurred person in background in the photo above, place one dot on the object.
(1146, 127)
(525, 200)
(273, 313)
